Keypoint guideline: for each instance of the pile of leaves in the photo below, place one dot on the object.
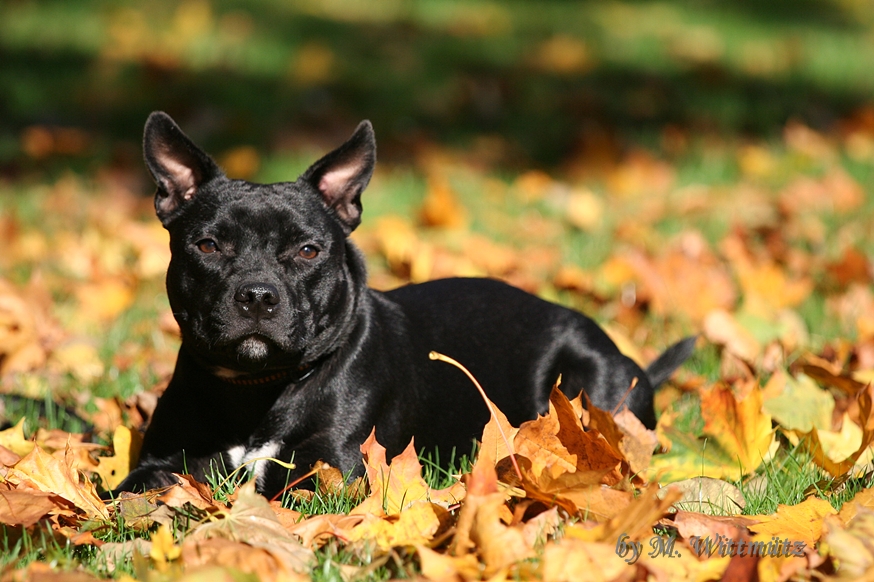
(759, 465)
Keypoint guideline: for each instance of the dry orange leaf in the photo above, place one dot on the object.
(60, 477)
(638, 442)
(722, 329)
(863, 500)
(766, 287)
(556, 444)
(316, 530)
(738, 424)
(239, 557)
(689, 264)
(26, 507)
(497, 439)
(396, 486)
(105, 299)
(24, 326)
(188, 490)
(441, 206)
(481, 529)
(850, 546)
(253, 522)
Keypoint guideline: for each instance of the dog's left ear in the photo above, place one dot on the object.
(344, 173)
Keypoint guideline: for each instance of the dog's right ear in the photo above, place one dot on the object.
(178, 166)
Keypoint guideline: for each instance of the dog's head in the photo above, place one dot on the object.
(261, 276)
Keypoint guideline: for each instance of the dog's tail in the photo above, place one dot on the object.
(672, 358)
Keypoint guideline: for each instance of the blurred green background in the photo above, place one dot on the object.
(517, 83)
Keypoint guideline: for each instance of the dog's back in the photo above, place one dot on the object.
(516, 345)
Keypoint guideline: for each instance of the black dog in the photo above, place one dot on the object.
(286, 353)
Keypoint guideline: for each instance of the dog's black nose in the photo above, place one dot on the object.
(257, 300)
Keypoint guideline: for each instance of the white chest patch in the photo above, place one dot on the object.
(254, 458)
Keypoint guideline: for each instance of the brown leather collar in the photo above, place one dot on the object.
(294, 375)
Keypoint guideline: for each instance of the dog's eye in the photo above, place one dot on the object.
(308, 252)
(208, 246)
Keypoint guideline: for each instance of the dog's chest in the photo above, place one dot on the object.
(256, 458)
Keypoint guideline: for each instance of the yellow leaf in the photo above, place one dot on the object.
(104, 300)
(47, 473)
(585, 210)
(497, 435)
(840, 445)
(739, 425)
(417, 524)
(126, 444)
(79, 359)
(164, 549)
(803, 405)
(802, 522)
(569, 559)
(13, 439)
(864, 499)
(441, 567)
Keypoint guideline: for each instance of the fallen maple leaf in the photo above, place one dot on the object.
(638, 442)
(556, 444)
(693, 524)
(25, 327)
(441, 206)
(60, 477)
(163, 549)
(850, 546)
(314, 531)
(189, 490)
(480, 528)
(497, 437)
(737, 437)
(126, 445)
(802, 405)
(866, 416)
(396, 486)
(253, 522)
(766, 287)
(13, 439)
(802, 522)
(572, 560)
(25, 507)
(417, 524)
(443, 568)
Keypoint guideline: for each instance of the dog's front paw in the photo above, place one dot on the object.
(144, 479)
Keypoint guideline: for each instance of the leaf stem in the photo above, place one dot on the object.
(438, 356)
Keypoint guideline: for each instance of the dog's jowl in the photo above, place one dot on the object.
(286, 353)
